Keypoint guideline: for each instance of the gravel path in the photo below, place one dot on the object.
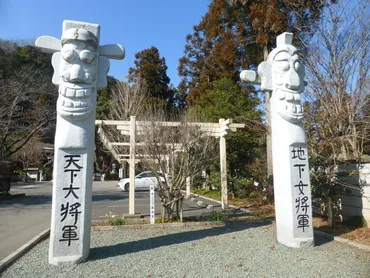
(238, 250)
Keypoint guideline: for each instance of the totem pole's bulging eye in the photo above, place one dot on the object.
(87, 56)
(282, 66)
(298, 66)
(68, 53)
(281, 62)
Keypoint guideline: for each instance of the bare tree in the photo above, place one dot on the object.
(338, 74)
(31, 154)
(178, 152)
(337, 66)
(172, 152)
(27, 106)
(129, 101)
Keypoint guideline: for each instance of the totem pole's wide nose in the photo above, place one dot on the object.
(76, 73)
(292, 80)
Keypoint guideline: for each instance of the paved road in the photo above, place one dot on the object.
(23, 218)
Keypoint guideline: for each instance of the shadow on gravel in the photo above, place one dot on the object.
(99, 253)
(321, 240)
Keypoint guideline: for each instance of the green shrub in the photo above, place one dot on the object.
(215, 180)
(216, 215)
(49, 173)
(115, 220)
(356, 221)
(243, 187)
(158, 220)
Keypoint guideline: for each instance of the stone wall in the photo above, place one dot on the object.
(357, 203)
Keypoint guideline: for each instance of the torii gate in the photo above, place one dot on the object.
(133, 127)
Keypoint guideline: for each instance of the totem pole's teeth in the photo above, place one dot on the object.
(75, 93)
(68, 104)
(299, 108)
(80, 93)
(289, 96)
(80, 104)
(281, 94)
(291, 108)
(70, 92)
(62, 90)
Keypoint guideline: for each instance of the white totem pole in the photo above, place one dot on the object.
(283, 75)
(80, 69)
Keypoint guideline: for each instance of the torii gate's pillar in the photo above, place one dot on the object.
(132, 164)
(224, 130)
(80, 70)
(283, 74)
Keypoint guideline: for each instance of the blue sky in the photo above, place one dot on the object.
(135, 24)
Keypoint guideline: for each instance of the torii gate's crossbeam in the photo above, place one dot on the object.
(219, 130)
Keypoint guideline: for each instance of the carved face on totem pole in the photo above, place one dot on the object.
(78, 73)
(80, 67)
(286, 77)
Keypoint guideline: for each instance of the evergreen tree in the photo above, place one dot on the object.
(226, 100)
(103, 103)
(151, 69)
(238, 34)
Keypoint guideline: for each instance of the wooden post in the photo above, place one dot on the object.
(132, 165)
(152, 205)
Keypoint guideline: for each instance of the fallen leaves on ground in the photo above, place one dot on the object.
(360, 235)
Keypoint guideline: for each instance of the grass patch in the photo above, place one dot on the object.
(213, 194)
(115, 220)
(216, 215)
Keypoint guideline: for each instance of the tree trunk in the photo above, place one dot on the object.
(329, 206)
(163, 212)
(270, 177)
(208, 184)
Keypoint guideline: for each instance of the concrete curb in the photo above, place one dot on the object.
(213, 200)
(343, 240)
(155, 226)
(4, 263)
